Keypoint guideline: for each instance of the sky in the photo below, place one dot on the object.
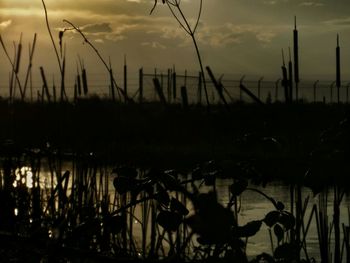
(235, 37)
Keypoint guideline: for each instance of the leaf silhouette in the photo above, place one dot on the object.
(250, 229)
(286, 252)
(287, 220)
(177, 206)
(124, 184)
(271, 218)
(278, 230)
(162, 196)
(170, 221)
(238, 187)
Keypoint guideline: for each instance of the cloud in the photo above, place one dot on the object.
(338, 22)
(97, 28)
(229, 34)
(5, 24)
(270, 2)
(153, 44)
(274, 2)
(311, 4)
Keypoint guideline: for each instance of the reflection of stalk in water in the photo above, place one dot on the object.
(322, 226)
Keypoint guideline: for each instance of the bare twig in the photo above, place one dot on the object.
(98, 54)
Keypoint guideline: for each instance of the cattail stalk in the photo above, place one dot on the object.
(18, 63)
(290, 76)
(296, 59)
(285, 79)
(338, 80)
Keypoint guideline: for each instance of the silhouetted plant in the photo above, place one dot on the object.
(178, 13)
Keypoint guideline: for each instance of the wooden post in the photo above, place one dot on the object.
(78, 82)
(169, 85)
(240, 90)
(276, 89)
(45, 87)
(184, 97)
(125, 80)
(200, 88)
(174, 85)
(331, 90)
(218, 85)
(315, 89)
(141, 85)
(250, 94)
(259, 87)
(159, 90)
(85, 83)
(75, 91)
(54, 92)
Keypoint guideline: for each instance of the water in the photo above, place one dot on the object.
(252, 206)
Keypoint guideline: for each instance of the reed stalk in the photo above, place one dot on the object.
(296, 59)
(30, 64)
(338, 78)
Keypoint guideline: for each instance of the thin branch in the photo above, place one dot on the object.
(199, 16)
(188, 31)
(11, 62)
(31, 55)
(53, 42)
(96, 51)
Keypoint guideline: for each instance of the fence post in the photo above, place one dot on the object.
(169, 85)
(141, 85)
(315, 89)
(184, 97)
(240, 90)
(162, 83)
(159, 90)
(276, 89)
(259, 86)
(125, 80)
(331, 88)
(45, 87)
(75, 92)
(200, 88)
(218, 86)
(174, 85)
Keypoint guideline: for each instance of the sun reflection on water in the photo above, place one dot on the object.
(24, 176)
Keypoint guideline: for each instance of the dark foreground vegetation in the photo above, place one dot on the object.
(97, 181)
(151, 134)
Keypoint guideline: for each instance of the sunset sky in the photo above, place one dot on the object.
(235, 37)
